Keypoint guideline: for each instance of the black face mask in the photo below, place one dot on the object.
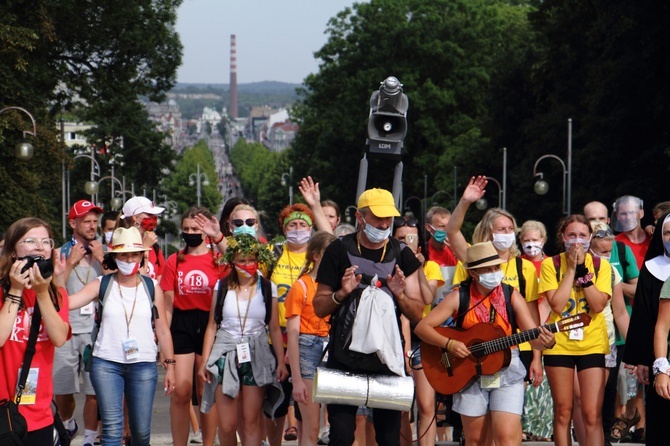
(192, 240)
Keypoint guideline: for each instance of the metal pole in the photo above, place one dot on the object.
(425, 205)
(198, 184)
(63, 185)
(504, 183)
(290, 186)
(92, 172)
(569, 199)
(113, 180)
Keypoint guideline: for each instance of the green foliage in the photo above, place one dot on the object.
(177, 183)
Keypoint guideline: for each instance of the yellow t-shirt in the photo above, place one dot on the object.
(595, 335)
(285, 273)
(511, 277)
(432, 271)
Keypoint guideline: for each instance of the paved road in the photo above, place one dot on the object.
(160, 421)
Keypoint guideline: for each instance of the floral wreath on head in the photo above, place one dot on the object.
(247, 245)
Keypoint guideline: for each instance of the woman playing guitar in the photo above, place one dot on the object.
(492, 405)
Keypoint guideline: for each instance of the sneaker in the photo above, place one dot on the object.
(196, 438)
(324, 435)
(75, 429)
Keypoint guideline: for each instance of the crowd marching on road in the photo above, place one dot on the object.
(225, 340)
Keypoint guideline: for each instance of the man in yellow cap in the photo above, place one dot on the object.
(348, 266)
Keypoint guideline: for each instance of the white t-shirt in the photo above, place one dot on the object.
(232, 320)
(114, 330)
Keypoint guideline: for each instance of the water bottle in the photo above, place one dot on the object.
(631, 384)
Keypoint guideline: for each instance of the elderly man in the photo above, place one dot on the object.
(348, 264)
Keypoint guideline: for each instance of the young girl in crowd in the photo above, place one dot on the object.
(236, 343)
(24, 291)
(486, 409)
(188, 282)
(572, 287)
(124, 352)
(307, 335)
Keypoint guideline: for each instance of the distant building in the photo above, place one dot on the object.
(73, 133)
(209, 115)
(167, 117)
(277, 131)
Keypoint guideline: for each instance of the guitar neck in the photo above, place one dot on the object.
(514, 339)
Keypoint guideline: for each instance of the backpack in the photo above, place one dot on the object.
(105, 289)
(266, 290)
(621, 252)
(557, 266)
(342, 322)
(521, 277)
(464, 303)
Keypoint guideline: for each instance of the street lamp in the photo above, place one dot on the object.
(24, 150)
(198, 178)
(348, 216)
(287, 178)
(541, 187)
(482, 204)
(91, 187)
(434, 201)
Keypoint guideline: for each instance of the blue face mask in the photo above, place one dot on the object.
(439, 235)
(244, 229)
(376, 235)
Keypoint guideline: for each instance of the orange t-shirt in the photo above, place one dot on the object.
(299, 303)
(471, 318)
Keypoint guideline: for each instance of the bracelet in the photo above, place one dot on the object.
(169, 362)
(584, 280)
(449, 345)
(216, 242)
(332, 296)
(661, 365)
(587, 284)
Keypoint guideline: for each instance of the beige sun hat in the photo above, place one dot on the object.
(481, 255)
(127, 240)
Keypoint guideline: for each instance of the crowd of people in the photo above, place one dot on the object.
(242, 324)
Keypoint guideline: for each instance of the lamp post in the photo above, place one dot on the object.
(91, 187)
(541, 187)
(287, 178)
(349, 215)
(482, 204)
(198, 178)
(24, 150)
(434, 201)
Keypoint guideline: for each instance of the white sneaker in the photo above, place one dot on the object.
(196, 438)
(324, 435)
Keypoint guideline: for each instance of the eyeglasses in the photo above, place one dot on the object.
(238, 222)
(602, 234)
(45, 243)
(399, 222)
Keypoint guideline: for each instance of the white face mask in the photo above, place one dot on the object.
(533, 248)
(491, 280)
(585, 242)
(299, 236)
(108, 237)
(503, 242)
(606, 257)
(127, 268)
(376, 235)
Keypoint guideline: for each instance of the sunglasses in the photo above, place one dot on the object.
(399, 222)
(238, 222)
(602, 234)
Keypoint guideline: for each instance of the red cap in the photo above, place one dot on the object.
(81, 208)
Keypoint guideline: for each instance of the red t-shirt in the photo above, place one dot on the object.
(443, 257)
(156, 263)
(537, 264)
(35, 403)
(639, 249)
(196, 278)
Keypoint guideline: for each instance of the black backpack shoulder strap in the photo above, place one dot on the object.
(557, 266)
(220, 297)
(508, 290)
(621, 252)
(522, 278)
(31, 347)
(463, 302)
(266, 289)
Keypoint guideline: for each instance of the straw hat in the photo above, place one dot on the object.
(481, 255)
(127, 240)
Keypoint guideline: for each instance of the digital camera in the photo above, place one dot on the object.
(45, 266)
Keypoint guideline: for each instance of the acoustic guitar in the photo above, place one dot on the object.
(490, 351)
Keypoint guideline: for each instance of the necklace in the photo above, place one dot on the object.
(125, 311)
(358, 243)
(88, 272)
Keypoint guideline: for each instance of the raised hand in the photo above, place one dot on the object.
(350, 280)
(310, 191)
(396, 283)
(475, 189)
(209, 226)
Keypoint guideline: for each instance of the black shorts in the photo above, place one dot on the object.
(188, 330)
(596, 360)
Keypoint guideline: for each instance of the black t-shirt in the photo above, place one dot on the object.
(335, 260)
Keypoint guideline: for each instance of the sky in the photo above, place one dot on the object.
(276, 40)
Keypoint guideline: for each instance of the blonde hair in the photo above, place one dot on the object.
(316, 245)
(243, 207)
(484, 229)
(533, 225)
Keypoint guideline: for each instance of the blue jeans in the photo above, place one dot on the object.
(111, 380)
(311, 352)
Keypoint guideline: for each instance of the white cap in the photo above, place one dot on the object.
(138, 205)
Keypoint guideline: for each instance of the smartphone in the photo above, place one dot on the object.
(412, 240)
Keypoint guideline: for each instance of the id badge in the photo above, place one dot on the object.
(490, 381)
(86, 309)
(243, 353)
(131, 349)
(577, 334)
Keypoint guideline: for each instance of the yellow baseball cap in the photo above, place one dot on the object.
(380, 202)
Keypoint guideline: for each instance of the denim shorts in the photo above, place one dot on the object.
(311, 352)
(416, 355)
